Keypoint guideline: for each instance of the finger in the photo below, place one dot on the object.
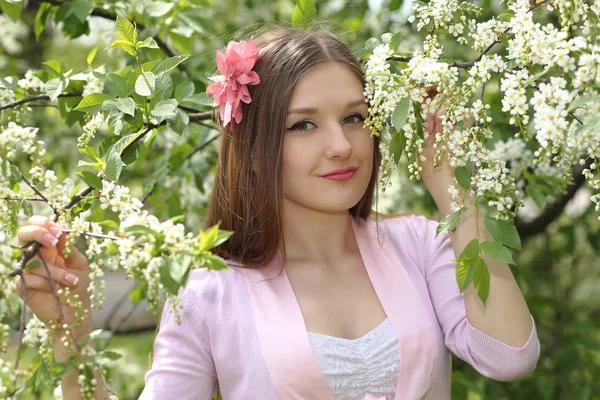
(36, 233)
(59, 275)
(32, 283)
(75, 259)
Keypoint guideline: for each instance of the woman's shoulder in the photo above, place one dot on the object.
(212, 285)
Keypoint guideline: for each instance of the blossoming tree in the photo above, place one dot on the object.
(127, 112)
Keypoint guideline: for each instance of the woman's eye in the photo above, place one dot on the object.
(301, 126)
(354, 118)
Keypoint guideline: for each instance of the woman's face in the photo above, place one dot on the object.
(324, 132)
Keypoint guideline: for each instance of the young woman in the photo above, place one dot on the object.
(321, 301)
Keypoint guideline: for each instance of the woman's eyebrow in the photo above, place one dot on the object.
(309, 110)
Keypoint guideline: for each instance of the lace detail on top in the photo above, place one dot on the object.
(353, 368)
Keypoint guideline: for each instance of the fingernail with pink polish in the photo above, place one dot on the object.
(50, 240)
(71, 279)
(55, 231)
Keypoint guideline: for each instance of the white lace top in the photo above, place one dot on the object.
(353, 368)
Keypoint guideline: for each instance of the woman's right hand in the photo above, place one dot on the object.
(67, 271)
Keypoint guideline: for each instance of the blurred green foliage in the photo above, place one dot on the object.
(557, 270)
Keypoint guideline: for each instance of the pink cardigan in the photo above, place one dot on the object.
(244, 328)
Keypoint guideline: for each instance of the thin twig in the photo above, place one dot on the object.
(42, 197)
(21, 198)
(36, 98)
(196, 150)
(115, 309)
(22, 323)
(60, 310)
(201, 147)
(124, 319)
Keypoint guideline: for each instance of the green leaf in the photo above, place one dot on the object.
(171, 286)
(143, 230)
(465, 264)
(465, 270)
(106, 356)
(503, 232)
(125, 45)
(463, 175)
(92, 54)
(139, 293)
(208, 238)
(12, 9)
(54, 87)
(126, 106)
(215, 263)
(537, 195)
(400, 114)
(471, 250)
(158, 8)
(395, 5)
(496, 251)
(116, 85)
(583, 100)
(149, 43)
(32, 264)
(41, 18)
(126, 30)
(371, 43)
(179, 265)
(114, 165)
(304, 12)
(507, 15)
(81, 9)
(222, 237)
(145, 84)
(168, 64)
(92, 103)
(450, 221)
(179, 122)
(165, 109)
(397, 145)
(184, 89)
(90, 179)
(481, 279)
(201, 99)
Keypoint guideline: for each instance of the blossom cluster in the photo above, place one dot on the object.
(89, 130)
(32, 83)
(94, 84)
(11, 34)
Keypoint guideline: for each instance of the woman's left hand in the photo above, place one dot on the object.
(437, 179)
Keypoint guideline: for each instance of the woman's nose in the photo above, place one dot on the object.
(338, 145)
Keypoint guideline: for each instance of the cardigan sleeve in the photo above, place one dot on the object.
(487, 355)
(183, 366)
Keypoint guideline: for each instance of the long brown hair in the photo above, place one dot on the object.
(246, 197)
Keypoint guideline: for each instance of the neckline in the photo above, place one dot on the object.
(342, 339)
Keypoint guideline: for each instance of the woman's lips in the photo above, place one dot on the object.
(340, 175)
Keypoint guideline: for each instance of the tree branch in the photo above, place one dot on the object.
(553, 210)
(469, 64)
(35, 98)
(98, 12)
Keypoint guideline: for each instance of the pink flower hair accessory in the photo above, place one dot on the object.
(230, 88)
